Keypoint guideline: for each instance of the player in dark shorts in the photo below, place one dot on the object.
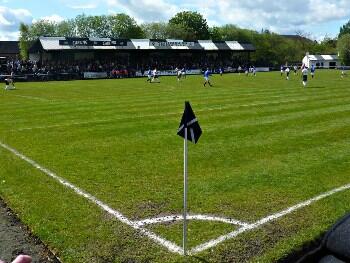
(304, 73)
(9, 82)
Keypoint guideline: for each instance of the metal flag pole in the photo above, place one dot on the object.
(184, 241)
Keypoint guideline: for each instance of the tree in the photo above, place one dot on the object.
(326, 46)
(83, 26)
(345, 29)
(124, 26)
(175, 31)
(231, 32)
(42, 28)
(343, 47)
(66, 28)
(156, 30)
(215, 33)
(24, 40)
(193, 23)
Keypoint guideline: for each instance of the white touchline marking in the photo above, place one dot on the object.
(31, 97)
(173, 218)
(172, 247)
(270, 218)
(167, 244)
(156, 115)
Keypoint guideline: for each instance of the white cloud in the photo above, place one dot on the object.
(145, 10)
(284, 17)
(7, 36)
(11, 18)
(278, 16)
(84, 6)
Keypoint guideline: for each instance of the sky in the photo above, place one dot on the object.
(316, 18)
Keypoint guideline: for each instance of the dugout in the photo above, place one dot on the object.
(140, 53)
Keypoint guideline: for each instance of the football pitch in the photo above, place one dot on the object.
(95, 168)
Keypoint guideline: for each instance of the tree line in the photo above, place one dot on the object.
(271, 49)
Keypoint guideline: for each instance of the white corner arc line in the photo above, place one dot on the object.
(173, 218)
(172, 247)
(270, 218)
(165, 243)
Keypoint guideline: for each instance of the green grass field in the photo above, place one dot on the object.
(267, 144)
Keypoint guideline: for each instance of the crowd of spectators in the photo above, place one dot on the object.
(74, 69)
(59, 70)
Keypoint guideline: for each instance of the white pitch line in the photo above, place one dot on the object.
(161, 241)
(270, 218)
(172, 247)
(174, 218)
(31, 97)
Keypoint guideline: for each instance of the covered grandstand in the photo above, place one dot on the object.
(139, 54)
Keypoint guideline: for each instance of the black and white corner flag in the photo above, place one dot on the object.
(190, 122)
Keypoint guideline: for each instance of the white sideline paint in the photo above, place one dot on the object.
(270, 218)
(172, 247)
(174, 218)
(169, 245)
(31, 97)
(157, 115)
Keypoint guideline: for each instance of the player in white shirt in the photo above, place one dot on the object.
(178, 74)
(305, 73)
(251, 70)
(239, 70)
(183, 73)
(155, 77)
(343, 74)
(287, 70)
(295, 70)
(9, 82)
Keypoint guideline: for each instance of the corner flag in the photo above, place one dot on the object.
(190, 122)
(190, 130)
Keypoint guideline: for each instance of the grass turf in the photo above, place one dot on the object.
(267, 144)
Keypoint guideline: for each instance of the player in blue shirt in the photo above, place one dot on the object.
(312, 70)
(149, 75)
(207, 73)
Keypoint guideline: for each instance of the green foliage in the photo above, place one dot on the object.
(343, 47)
(232, 32)
(24, 40)
(92, 26)
(326, 46)
(124, 26)
(345, 29)
(156, 30)
(43, 28)
(66, 28)
(194, 25)
(215, 33)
